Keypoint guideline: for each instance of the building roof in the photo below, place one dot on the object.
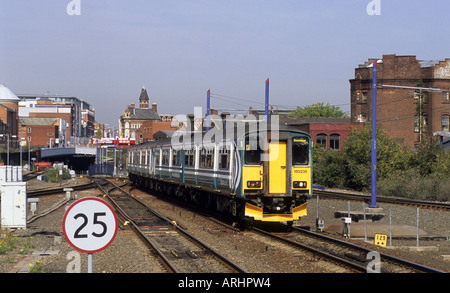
(142, 114)
(144, 95)
(6, 94)
(37, 121)
(429, 63)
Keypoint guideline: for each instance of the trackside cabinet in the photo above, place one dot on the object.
(13, 204)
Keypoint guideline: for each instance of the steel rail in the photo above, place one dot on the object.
(383, 256)
(339, 260)
(165, 261)
(172, 267)
(385, 199)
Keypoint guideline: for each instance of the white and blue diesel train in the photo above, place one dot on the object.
(230, 175)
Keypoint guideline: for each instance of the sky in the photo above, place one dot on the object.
(105, 51)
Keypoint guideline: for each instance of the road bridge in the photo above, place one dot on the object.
(77, 158)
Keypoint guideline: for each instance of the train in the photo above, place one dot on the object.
(252, 177)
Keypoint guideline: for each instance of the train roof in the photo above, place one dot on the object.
(180, 136)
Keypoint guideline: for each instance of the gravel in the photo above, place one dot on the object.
(254, 253)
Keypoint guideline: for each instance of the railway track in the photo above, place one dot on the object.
(355, 257)
(386, 199)
(178, 250)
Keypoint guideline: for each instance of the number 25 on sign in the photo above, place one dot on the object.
(90, 225)
(380, 239)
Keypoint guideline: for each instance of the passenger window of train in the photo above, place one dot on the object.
(157, 157)
(176, 159)
(252, 155)
(224, 159)
(189, 158)
(207, 158)
(165, 157)
(300, 151)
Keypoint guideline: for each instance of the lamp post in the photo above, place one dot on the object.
(29, 157)
(114, 170)
(7, 147)
(373, 193)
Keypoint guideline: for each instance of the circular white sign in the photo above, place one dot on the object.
(90, 225)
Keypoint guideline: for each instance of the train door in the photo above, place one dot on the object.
(277, 167)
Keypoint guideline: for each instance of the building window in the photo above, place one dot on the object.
(361, 118)
(29, 129)
(361, 97)
(445, 97)
(321, 140)
(424, 97)
(417, 123)
(445, 122)
(334, 141)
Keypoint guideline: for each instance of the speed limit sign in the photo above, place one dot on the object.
(90, 225)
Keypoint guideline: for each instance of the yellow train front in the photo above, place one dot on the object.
(277, 177)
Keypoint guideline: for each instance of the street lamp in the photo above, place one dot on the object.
(29, 161)
(373, 192)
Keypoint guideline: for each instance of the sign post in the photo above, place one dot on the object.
(90, 225)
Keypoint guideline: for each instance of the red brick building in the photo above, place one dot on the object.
(39, 131)
(407, 114)
(330, 133)
(8, 114)
(150, 127)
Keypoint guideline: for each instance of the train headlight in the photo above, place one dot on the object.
(300, 184)
(254, 184)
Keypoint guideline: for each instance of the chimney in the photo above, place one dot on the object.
(250, 111)
(155, 107)
(224, 119)
(190, 122)
(132, 105)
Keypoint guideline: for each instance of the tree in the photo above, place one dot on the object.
(99, 133)
(357, 151)
(319, 110)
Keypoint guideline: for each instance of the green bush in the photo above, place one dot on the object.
(53, 174)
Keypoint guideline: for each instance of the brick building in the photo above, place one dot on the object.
(407, 114)
(8, 113)
(79, 115)
(150, 127)
(141, 123)
(132, 118)
(43, 132)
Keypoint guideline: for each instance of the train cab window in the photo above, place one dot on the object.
(300, 151)
(252, 154)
